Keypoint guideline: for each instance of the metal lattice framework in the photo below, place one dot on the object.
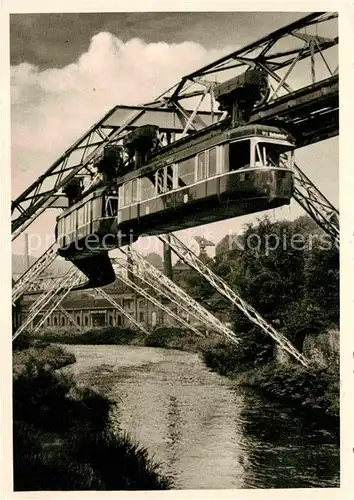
(54, 289)
(316, 204)
(119, 308)
(145, 271)
(144, 293)
(309, 108)
(187, 256)
(54, 295)
(33, 272)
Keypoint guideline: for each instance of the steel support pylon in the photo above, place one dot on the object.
(189, 258)
(56, 292)
(120, 275)
(119, 308)
(316, 204)
(34, 272)
(163, 285)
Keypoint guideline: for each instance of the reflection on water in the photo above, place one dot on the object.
(203, 431)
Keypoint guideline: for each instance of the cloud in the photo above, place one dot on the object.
(53, 107)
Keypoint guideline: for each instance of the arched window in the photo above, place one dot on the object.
(63, 321)
(78, 320)
(55, 321)
(86, 320)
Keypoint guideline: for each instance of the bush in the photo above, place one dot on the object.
(163, 336)
(61, 441)
(37, 467)
(253, 350)
(95, 336)
(312, 391)
(46, 356)
(23, 341)
(52, 401)
(120, 463)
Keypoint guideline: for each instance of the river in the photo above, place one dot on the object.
(204, 431)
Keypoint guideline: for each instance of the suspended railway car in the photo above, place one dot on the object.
(230, 174)
(224, 175)
(223, 171)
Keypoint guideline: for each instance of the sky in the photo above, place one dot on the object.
(68, 70)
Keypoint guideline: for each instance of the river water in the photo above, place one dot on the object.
(204, 431)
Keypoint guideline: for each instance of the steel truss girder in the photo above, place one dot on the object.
(57, 298)
(155, 287)
(56, 292)
(163, 285)
(316, 204)
(189, 258)
(70, 317)
(119, 308)
(29, 276)
(36, 199)
(120, 275)
(267, 54)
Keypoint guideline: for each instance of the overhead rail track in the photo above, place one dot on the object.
(308, 110)
(311, 111)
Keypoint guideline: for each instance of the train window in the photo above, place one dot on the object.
(186, 172)
(212, 162)
(134, 193)
(147, 188)
(164, 179)
(201, 166)
(271, 154)
(127, 193)
(169, 176)
(239, 154)
(111, 208)
(88, 206)
(223, 160)
(80, 216)
(68, 220)
(96, 208)
(85, 214)
(160, 181)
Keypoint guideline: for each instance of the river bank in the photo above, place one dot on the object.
(61, 436)
(312, 392)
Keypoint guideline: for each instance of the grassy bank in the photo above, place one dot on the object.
(312, 391)
(61, 436)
